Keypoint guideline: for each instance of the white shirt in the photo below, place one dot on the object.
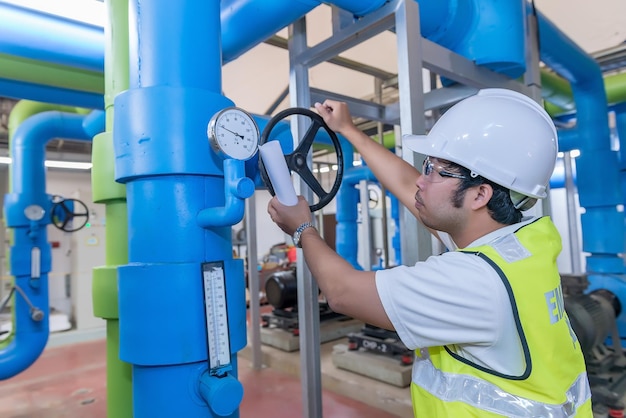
(456, 300)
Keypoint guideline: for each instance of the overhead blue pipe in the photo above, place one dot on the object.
(488, 32)
(31, 252)
(47, 94)
(40, 36)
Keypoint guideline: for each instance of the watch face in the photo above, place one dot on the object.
(234, 133)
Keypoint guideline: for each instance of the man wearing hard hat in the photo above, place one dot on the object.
(485, 318)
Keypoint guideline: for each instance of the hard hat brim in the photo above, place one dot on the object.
(420, 144)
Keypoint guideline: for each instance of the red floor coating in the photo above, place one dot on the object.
(69, 382)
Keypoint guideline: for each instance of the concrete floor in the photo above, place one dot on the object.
(68, 381)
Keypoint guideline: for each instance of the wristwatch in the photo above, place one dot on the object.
(298, 233)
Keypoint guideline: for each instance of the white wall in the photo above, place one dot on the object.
(70, 279)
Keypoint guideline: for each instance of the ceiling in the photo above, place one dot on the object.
(258, 80)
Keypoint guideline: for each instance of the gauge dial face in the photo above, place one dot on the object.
(233, 132)
(34, 212)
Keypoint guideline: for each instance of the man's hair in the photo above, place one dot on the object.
(500, 206)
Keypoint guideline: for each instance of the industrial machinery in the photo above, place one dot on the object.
(593, 319)
(380, 341)
(281, 291)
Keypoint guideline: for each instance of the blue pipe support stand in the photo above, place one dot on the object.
(347, 216)
(175, 185)
(30, 335)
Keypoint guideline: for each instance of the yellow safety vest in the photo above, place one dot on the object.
(554, 382)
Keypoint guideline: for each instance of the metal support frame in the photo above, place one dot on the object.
(253, 283)
(414, 55)
(308, 304)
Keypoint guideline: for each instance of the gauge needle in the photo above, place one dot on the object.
(234, 133)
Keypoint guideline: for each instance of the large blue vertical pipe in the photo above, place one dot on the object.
(171, 176)
(602, 223)
(29, 188)
(617, 283)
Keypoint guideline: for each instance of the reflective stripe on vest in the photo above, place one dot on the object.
(483, 395)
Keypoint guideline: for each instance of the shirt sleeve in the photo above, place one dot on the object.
(453, 298)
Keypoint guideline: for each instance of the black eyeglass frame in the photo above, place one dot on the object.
(428, 167)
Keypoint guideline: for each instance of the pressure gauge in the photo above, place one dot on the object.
(34, 212)
(233, 133)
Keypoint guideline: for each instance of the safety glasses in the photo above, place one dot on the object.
(437, 174)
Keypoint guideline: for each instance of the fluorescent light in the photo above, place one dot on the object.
(68, 164)
(75, 165)
(87, 11)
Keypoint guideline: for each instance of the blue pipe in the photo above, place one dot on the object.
(346, 208)
(395, 241)
(568, 139)
(617, 283)
(602, 224)
(171, 176)
(40, 36)
(30, 247)
(238, 187)
(485, 31)
(557, 180)
(94, 123)
(48, 94)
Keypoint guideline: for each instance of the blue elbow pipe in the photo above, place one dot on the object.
(31, 253)
(571, 62)
(94, 123)
(237, 189)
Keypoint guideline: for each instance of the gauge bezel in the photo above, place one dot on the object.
(212, 132)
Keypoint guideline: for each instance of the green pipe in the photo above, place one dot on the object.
(36, 72)
(113, 195)
(559, 98)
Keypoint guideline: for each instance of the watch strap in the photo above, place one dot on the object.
(298, 233)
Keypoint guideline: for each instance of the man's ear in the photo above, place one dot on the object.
(482, 195)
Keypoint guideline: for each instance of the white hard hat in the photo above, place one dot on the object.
(499, 134)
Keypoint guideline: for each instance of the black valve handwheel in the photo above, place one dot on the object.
(297, 160)
(62, 216)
